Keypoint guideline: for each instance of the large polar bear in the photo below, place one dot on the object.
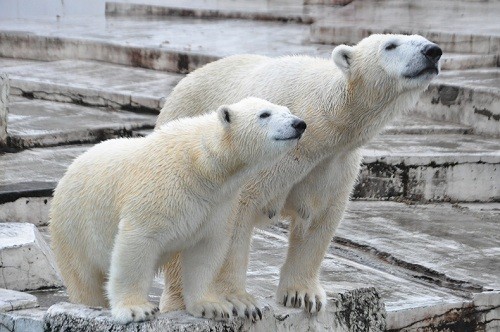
(126, 205)
(345, 101)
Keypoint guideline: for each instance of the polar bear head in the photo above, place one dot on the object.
(395, 62)
(260, 129)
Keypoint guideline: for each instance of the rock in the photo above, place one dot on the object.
(29, 320)
(357, 310)
(26, 262)
(14, 300)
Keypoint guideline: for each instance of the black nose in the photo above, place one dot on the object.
(299, 125)
(432, 52)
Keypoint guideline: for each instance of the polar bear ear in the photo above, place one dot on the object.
(342, 57)
(224, 114)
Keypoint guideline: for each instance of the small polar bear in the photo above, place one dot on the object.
(126, 205)
(346, 101)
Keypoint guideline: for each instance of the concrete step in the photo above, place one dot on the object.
(444, 167)
(431, 167)
(432, 266)
(469, 97)
(26, 262)
(457, 26)
(35, 123)
(452, 247)
(273, 11)
(282, 11)
(91, 83)
(174, 45)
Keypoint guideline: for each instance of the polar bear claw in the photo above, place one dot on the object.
(124, 314)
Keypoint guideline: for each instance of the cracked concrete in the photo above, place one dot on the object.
(26, 262)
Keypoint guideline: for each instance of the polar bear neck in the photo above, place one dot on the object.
(216, 157)
(361, 111)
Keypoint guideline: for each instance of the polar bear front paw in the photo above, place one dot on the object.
(311, 300)
(124, 314)
(245, 305)
(208, 309)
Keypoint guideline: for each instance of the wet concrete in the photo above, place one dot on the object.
(92, 83)
(458, 26)
(469, 97)
(373, 249)
(34, 123)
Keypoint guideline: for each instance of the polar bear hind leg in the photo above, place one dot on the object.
(83, 280)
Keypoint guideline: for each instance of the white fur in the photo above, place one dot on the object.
(127, 205)
(345, 101)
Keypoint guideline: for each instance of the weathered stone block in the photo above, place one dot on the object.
(14, 300)
(357, 310)
(29, 320)
(4, 107)
(26, 262)
(34, 210)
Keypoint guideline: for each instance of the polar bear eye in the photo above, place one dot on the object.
(265, 115)
(391, 46)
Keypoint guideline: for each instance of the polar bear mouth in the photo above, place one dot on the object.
(433, 70)
(297, 136)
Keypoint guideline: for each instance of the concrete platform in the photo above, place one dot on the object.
(35, 123)
(182, 45)
(457, 26)
(469, 97)
(26, 262)
(91, 83)
(417, 257)
(445, 167)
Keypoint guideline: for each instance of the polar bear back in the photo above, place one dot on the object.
(279, 80)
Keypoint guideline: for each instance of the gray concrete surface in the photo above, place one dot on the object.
(34, 123)
(13, 300)
(91, 83)
(433, 167)
(470, 97)
(415, 256)
(457, 26)
(4, 107)
(26, 262)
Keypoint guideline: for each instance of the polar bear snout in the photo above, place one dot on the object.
(300, 126)
(432, 52)
(292, 130)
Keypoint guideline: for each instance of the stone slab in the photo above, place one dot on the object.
(93, 83)
(34, 123)
(29, 320)
(282, 11)
(469, 97)
(452, 245)
(13, 300)
(416, 124)
(457, 26)
(34, 210)
(26, 260)
(4, 107)
(358, 310)
(180, 47)
(37, 169)
(418, 288)
(444, 167)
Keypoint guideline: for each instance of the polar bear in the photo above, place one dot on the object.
(346, 101)
(126, 205)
